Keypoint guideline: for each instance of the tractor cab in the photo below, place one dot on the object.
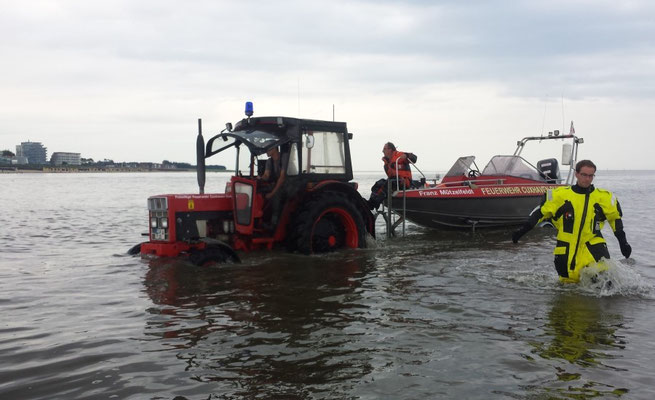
(317, 150)
(314, 152)
(315, 208)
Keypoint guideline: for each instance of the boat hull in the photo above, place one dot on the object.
(453, 213)
(487, 203)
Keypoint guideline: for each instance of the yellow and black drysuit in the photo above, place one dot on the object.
(579, 214)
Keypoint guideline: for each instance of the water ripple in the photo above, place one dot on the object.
(432, 315)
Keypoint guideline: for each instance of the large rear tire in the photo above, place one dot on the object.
(326, 223)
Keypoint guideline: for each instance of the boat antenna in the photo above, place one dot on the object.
(543, 121)
(563, 123)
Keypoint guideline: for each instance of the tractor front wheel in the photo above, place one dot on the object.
(134, 250)
(327, 223)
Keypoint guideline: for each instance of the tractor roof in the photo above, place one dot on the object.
(286, 126)
(261, 133)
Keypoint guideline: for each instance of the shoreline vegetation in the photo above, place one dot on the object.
(25, 169)
(8, 165)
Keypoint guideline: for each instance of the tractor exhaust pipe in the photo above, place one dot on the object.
(200, 158)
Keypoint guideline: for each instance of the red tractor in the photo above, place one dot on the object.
(319, 208)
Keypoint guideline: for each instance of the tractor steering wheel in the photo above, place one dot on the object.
(473, 173)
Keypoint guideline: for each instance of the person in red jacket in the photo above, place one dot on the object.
(396, 166)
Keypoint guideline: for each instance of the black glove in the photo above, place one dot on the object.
(626, 249)
(518, 233)
(532, 220)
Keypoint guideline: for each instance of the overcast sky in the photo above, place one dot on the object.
(127, 80)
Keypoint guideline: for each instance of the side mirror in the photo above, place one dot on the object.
(309, 141)
(567, 153)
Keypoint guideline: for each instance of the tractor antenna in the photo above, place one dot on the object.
(298, 97)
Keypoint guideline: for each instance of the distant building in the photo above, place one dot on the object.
(62, 158)
(35, 152)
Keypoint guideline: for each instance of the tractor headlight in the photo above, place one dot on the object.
(158, 219)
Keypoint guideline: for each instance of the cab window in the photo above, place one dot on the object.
(323, 153)
(292, 167)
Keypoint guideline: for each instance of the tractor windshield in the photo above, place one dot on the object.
(256, 140)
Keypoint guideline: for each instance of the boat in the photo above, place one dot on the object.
(501, 195)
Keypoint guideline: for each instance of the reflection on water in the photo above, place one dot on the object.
(280, 326)
(431, 315)
(581, 333)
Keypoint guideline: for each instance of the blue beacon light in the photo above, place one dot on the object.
(249, 108)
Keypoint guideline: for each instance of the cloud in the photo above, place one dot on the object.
(78, 73)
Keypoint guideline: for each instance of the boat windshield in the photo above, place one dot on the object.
(461, 166)
(513, 166)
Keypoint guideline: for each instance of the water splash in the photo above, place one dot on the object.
(613, 278)
(371, 243)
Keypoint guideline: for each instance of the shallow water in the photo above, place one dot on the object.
(430, 315)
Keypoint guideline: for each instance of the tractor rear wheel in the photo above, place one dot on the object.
(327, 223)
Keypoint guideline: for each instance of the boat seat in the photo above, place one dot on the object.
(549, 170)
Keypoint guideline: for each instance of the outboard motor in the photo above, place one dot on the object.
(549, 169)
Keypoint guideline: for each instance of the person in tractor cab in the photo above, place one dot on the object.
(275, 170)
(274, 175)
(394, 161)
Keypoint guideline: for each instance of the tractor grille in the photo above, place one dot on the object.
(159, 229)
(159, 225)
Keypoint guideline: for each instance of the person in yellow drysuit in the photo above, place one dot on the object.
(579, 212)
